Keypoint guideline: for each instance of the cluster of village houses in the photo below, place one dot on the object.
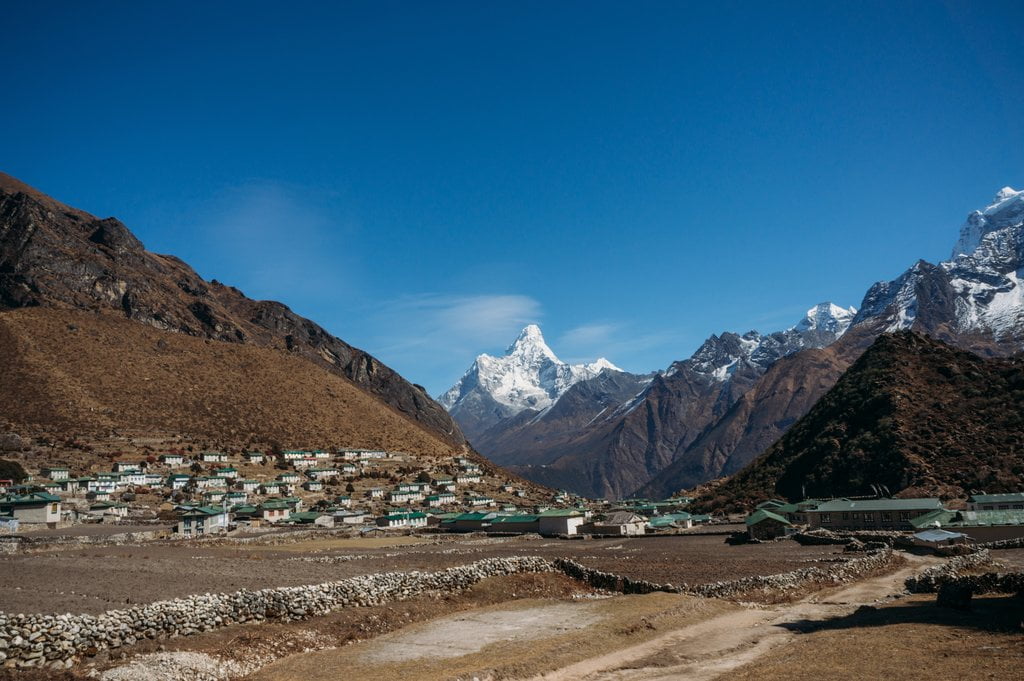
(222, 500)
(987, 517)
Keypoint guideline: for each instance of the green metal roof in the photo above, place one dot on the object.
(28, 499)
(762, 515)
(840, 505)
(940, 516)
(966, 519)
(1013, 497)
(513, 519)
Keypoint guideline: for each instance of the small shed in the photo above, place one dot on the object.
(763, 524)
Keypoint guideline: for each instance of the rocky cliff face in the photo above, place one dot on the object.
(52, 255)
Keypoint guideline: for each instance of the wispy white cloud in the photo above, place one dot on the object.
(617, 342)
(277, 240)
(432, 338)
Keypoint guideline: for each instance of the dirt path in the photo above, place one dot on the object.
(470, 632)
(711, 648)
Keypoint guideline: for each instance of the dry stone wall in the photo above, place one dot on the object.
(929, 580)
(55, 641)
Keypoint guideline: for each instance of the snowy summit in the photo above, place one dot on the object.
(528, 376)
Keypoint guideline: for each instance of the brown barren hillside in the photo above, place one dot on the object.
(76, 373)
(54, 256)
(912, 415)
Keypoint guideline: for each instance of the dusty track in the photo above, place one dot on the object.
(711, 648)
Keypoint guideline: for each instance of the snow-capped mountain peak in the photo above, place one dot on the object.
(531, 344)
(528, 376)
(978, 290)
(1006, 210)
(827, 317)
(721, 356)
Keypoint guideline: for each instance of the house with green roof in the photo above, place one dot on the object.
(469, 522)
(199, 521)
(32, 508)
(870, 514)
(1013, 501)
(678, 520)
(765, 524)
(56, 473)
(406, 519)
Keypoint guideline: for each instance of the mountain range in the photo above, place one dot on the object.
(618, 434)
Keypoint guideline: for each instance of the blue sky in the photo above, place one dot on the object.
(423, 179)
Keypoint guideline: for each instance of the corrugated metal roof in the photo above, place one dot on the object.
(841, 505)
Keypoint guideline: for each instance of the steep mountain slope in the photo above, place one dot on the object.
(620, 448)
(54, 256)
(528, 377)
(911, 414)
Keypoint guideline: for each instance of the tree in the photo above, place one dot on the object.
(12, 470)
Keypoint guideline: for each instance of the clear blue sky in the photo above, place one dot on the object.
(424, 178)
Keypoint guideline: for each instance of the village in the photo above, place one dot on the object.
(366, 491)
(370, 491)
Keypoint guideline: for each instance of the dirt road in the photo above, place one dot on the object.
(708, 649)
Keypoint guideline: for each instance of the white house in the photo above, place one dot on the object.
(213, 457)
(127, 466)
(254, 457)
(172, 460)
(411, 519)
(203, 520)
(56, 473)
(561, 521)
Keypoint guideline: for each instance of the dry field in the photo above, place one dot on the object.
(99, 578)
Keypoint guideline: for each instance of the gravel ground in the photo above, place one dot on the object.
(96, 579)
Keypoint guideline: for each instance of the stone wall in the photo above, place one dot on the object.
(929, 580)
(835, 573)
(55, 641)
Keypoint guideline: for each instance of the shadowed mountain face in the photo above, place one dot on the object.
(911, 414)
(54, 256)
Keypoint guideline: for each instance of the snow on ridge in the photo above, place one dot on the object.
(528, 376)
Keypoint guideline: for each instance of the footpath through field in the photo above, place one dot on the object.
(708, 649)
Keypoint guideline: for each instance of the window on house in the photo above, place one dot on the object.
(826, 518)
(904, 515)
(887, 517)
